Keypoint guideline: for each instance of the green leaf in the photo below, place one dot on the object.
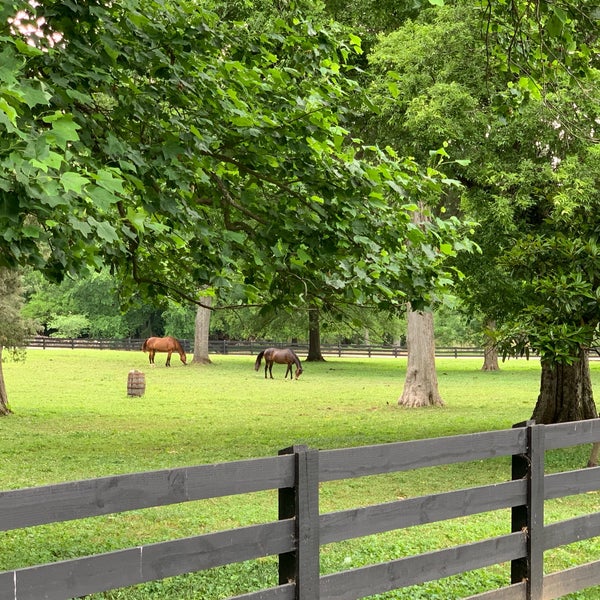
(72, 181)
(104, 178)
(64, 130)
(102, 198)
(104, 230)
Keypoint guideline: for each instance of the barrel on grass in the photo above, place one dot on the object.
(136, 383)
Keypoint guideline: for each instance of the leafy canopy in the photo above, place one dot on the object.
(183, 152)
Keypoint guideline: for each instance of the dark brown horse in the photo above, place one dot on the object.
(166, 344)
(282, 356)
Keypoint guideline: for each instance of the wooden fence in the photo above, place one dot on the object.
(301, 529)
(248, 347)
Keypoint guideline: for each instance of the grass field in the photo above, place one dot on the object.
(73, 420)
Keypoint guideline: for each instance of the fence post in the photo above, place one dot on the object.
(530, 517)
(302, 502)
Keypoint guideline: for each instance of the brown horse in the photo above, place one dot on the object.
(282, 356)
(166, 344)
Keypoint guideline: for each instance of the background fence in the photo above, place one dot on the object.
(301, 529)
(249, 347)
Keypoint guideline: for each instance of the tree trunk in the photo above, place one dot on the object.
(490, 352)
(565, 392)
(201, 330)
(421, 385)
(314, 336)
(4, 410)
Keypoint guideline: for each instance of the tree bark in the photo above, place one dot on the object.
(314, 336)
(201, 331)
(4, 409)
(565, 392)
(421, 385)
(490, 351)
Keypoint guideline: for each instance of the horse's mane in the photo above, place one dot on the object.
(296, 360)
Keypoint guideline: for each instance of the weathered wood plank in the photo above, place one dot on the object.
(7, 585)
(122, 568)
(571, 530)
(359, 522)
(517, 591)
(93, 497)
(571, 483)
(575, 433)
(281, 592)
(380, 578)
(402, 456)
(557, 585)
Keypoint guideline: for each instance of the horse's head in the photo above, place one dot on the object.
(298, 372)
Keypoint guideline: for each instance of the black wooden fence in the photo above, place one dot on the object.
(248, 347)
(301, 529)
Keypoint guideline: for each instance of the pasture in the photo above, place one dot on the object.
(73, 420)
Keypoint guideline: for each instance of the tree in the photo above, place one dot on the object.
(13, 328)
(420, 385)
(217, 149)
(202, 330)
(314, 335)
(558, 313)
(432, 106)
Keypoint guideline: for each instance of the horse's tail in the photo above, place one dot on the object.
(258, 359)
(144, 348)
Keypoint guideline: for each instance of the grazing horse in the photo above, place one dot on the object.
(282, 356)
(167, 344)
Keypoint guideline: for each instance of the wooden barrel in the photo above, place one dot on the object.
(136, 383)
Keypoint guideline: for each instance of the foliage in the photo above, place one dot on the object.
(183, 150)
(85, 305)
(558, 267)
(541, 43)
(530, 181)
(69, 326)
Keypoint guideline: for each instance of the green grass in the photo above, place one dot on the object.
(73, 420)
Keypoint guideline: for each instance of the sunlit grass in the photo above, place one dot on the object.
(73, 420)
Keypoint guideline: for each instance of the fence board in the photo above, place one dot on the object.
(347, 463)
(571, 580)
(517, 591)
(123, 568)
(7, 585)
(380, 578)
(563, 435)
(359, 522)
(281, 592)
(571, 530)
(570, 483)
(93, 497)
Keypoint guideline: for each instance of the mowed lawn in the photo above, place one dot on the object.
(73, 420)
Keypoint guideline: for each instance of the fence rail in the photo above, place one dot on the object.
(301, 529)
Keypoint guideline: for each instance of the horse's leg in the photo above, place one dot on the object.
(271, 369)
(151, 354)
(168, 363)
(288, 370)
(266, 367)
